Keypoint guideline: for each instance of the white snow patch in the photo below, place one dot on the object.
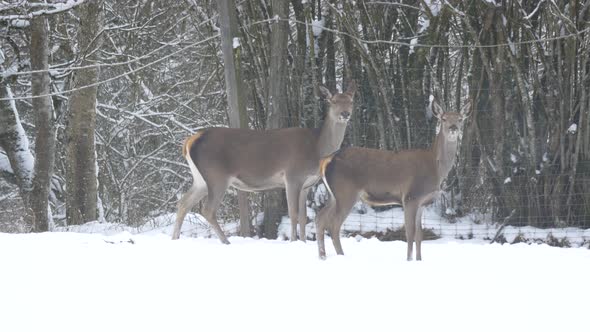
(572, 129)
(5, 163)
(24, 157)
(236, 42)
(317, 27)
(512, 46)
(146, 91)
(423, 23)
(147, 282)
(413, 42)
(507, 180)
(434, 6)
(18, 23)
(513, 158)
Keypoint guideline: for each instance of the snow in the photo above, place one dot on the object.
(236, 42)
(507, 180)
(413, 42)
(512, 46)
(317, 27)
(434, 6)
(24, 157)
(513, 158)
(18, 23)
(572, 129)
(529, 16)
(423, 24)
(5, 163)
(146, 282)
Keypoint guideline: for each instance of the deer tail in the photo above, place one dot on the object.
(189, 141)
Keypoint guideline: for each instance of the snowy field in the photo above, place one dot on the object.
(119, 281)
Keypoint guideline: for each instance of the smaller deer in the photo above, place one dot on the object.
(409, 178)
(253, 160)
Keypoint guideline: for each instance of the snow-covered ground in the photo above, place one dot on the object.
(113, 280)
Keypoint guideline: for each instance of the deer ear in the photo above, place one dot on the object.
(466, 110)
(325, 92)
(351, 88)
(436, 109)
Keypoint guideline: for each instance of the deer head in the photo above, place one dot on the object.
(451, 123)
(341, 104)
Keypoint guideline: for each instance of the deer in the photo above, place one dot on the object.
(410, 178)
(259, 160)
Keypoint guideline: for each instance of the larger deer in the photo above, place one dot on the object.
(252, 160)
(409, 178)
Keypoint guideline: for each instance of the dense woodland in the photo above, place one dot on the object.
(118, 86)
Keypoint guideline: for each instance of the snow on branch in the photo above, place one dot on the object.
(39, 9)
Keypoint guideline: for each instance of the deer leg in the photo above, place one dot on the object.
(324, 216)
(302, 213)
(336, 224)
(293, 192)
(419, 234)
(344, 204)
(410, 209)
(186, 203)
(335, 234)
(214, 197)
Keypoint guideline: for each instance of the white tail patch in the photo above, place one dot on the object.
(198, 180)
(327, 185)
(323, 166)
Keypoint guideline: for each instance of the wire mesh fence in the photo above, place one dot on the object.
(515, 202)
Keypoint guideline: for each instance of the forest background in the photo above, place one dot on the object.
(118, 85)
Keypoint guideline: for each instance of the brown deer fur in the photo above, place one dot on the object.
(253, 160)
(409, 178)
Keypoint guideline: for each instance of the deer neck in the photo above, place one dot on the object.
(445, 153)
(331, 136)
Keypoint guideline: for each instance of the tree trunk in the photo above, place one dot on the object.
(44, 123)
(274, 201)
(235, 94)
(330, 53)
(15, 144)
(81, 177)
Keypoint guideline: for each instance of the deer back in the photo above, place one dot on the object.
(252, 153)
(381, 176)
